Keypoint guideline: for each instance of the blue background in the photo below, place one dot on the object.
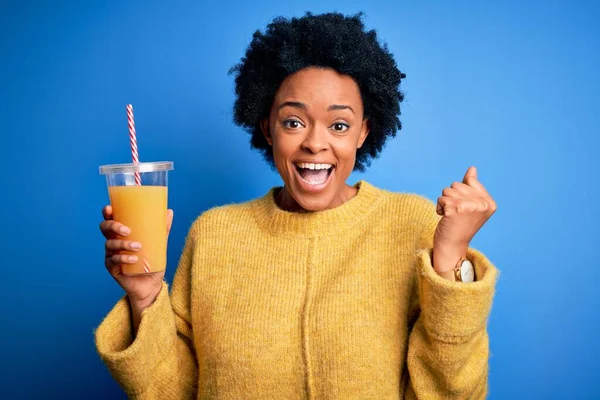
(513, 89)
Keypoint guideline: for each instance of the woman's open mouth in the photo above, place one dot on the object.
(313, 177)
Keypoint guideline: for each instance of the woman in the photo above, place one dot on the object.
(319, 289)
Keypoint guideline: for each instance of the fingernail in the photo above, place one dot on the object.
(132, 259)
(125, 230)
(136, 245)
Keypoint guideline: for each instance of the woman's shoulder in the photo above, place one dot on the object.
(227, 215)
(407, 210)
(407, 203)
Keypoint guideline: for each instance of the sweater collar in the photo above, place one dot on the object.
(317, 223)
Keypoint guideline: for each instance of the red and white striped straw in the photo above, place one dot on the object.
(133, 141)
(146, 265)
(136, 160)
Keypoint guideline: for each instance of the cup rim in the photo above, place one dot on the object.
(157, 166)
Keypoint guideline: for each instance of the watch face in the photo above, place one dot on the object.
(467, 272)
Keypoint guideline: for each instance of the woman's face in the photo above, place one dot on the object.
(315, 127)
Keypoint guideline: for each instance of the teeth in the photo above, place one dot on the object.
(314, 182)
(314, 166)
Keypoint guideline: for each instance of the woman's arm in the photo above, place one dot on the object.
(448, 349)
(160, 362)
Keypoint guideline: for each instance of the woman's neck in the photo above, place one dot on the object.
(279, 222)
(286, 201)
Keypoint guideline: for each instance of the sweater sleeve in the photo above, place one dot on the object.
(448, 350)
(160, 363)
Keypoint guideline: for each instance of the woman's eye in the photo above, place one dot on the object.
(340, 127)
(292, 124)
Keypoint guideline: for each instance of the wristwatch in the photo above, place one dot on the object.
(462, 272)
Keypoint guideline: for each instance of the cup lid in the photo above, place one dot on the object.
(137, 167)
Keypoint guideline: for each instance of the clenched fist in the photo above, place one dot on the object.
(465, 207)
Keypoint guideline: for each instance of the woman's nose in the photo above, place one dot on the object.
(316, 140)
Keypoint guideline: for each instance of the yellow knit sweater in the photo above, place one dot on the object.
(337, 304)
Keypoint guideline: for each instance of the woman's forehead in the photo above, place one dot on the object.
(319, 87)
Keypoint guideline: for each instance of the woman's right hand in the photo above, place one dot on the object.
(142, 290)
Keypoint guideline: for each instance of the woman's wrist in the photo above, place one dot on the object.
(139, 305)
(445, 258)
(146, 300)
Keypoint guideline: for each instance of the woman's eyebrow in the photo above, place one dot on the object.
(335, 107)
(295, 104)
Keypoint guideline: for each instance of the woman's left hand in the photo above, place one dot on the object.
(465, 207)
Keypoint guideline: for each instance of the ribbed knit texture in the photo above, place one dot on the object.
(337, 304)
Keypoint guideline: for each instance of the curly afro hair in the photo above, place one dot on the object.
(329, 40)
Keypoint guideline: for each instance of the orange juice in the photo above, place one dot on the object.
(144, 210)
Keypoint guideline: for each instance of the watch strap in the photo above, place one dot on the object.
(455, 274)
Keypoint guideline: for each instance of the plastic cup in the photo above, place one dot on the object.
(142, 208)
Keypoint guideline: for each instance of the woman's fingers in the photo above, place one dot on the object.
(464, 189)
(107, 212)
(451, 192)
(120, 259)
(113, 245)
(111, 228)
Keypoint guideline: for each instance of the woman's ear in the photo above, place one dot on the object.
(364, 132)
(264, 127)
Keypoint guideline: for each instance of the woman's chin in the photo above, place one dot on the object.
(312, 196)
